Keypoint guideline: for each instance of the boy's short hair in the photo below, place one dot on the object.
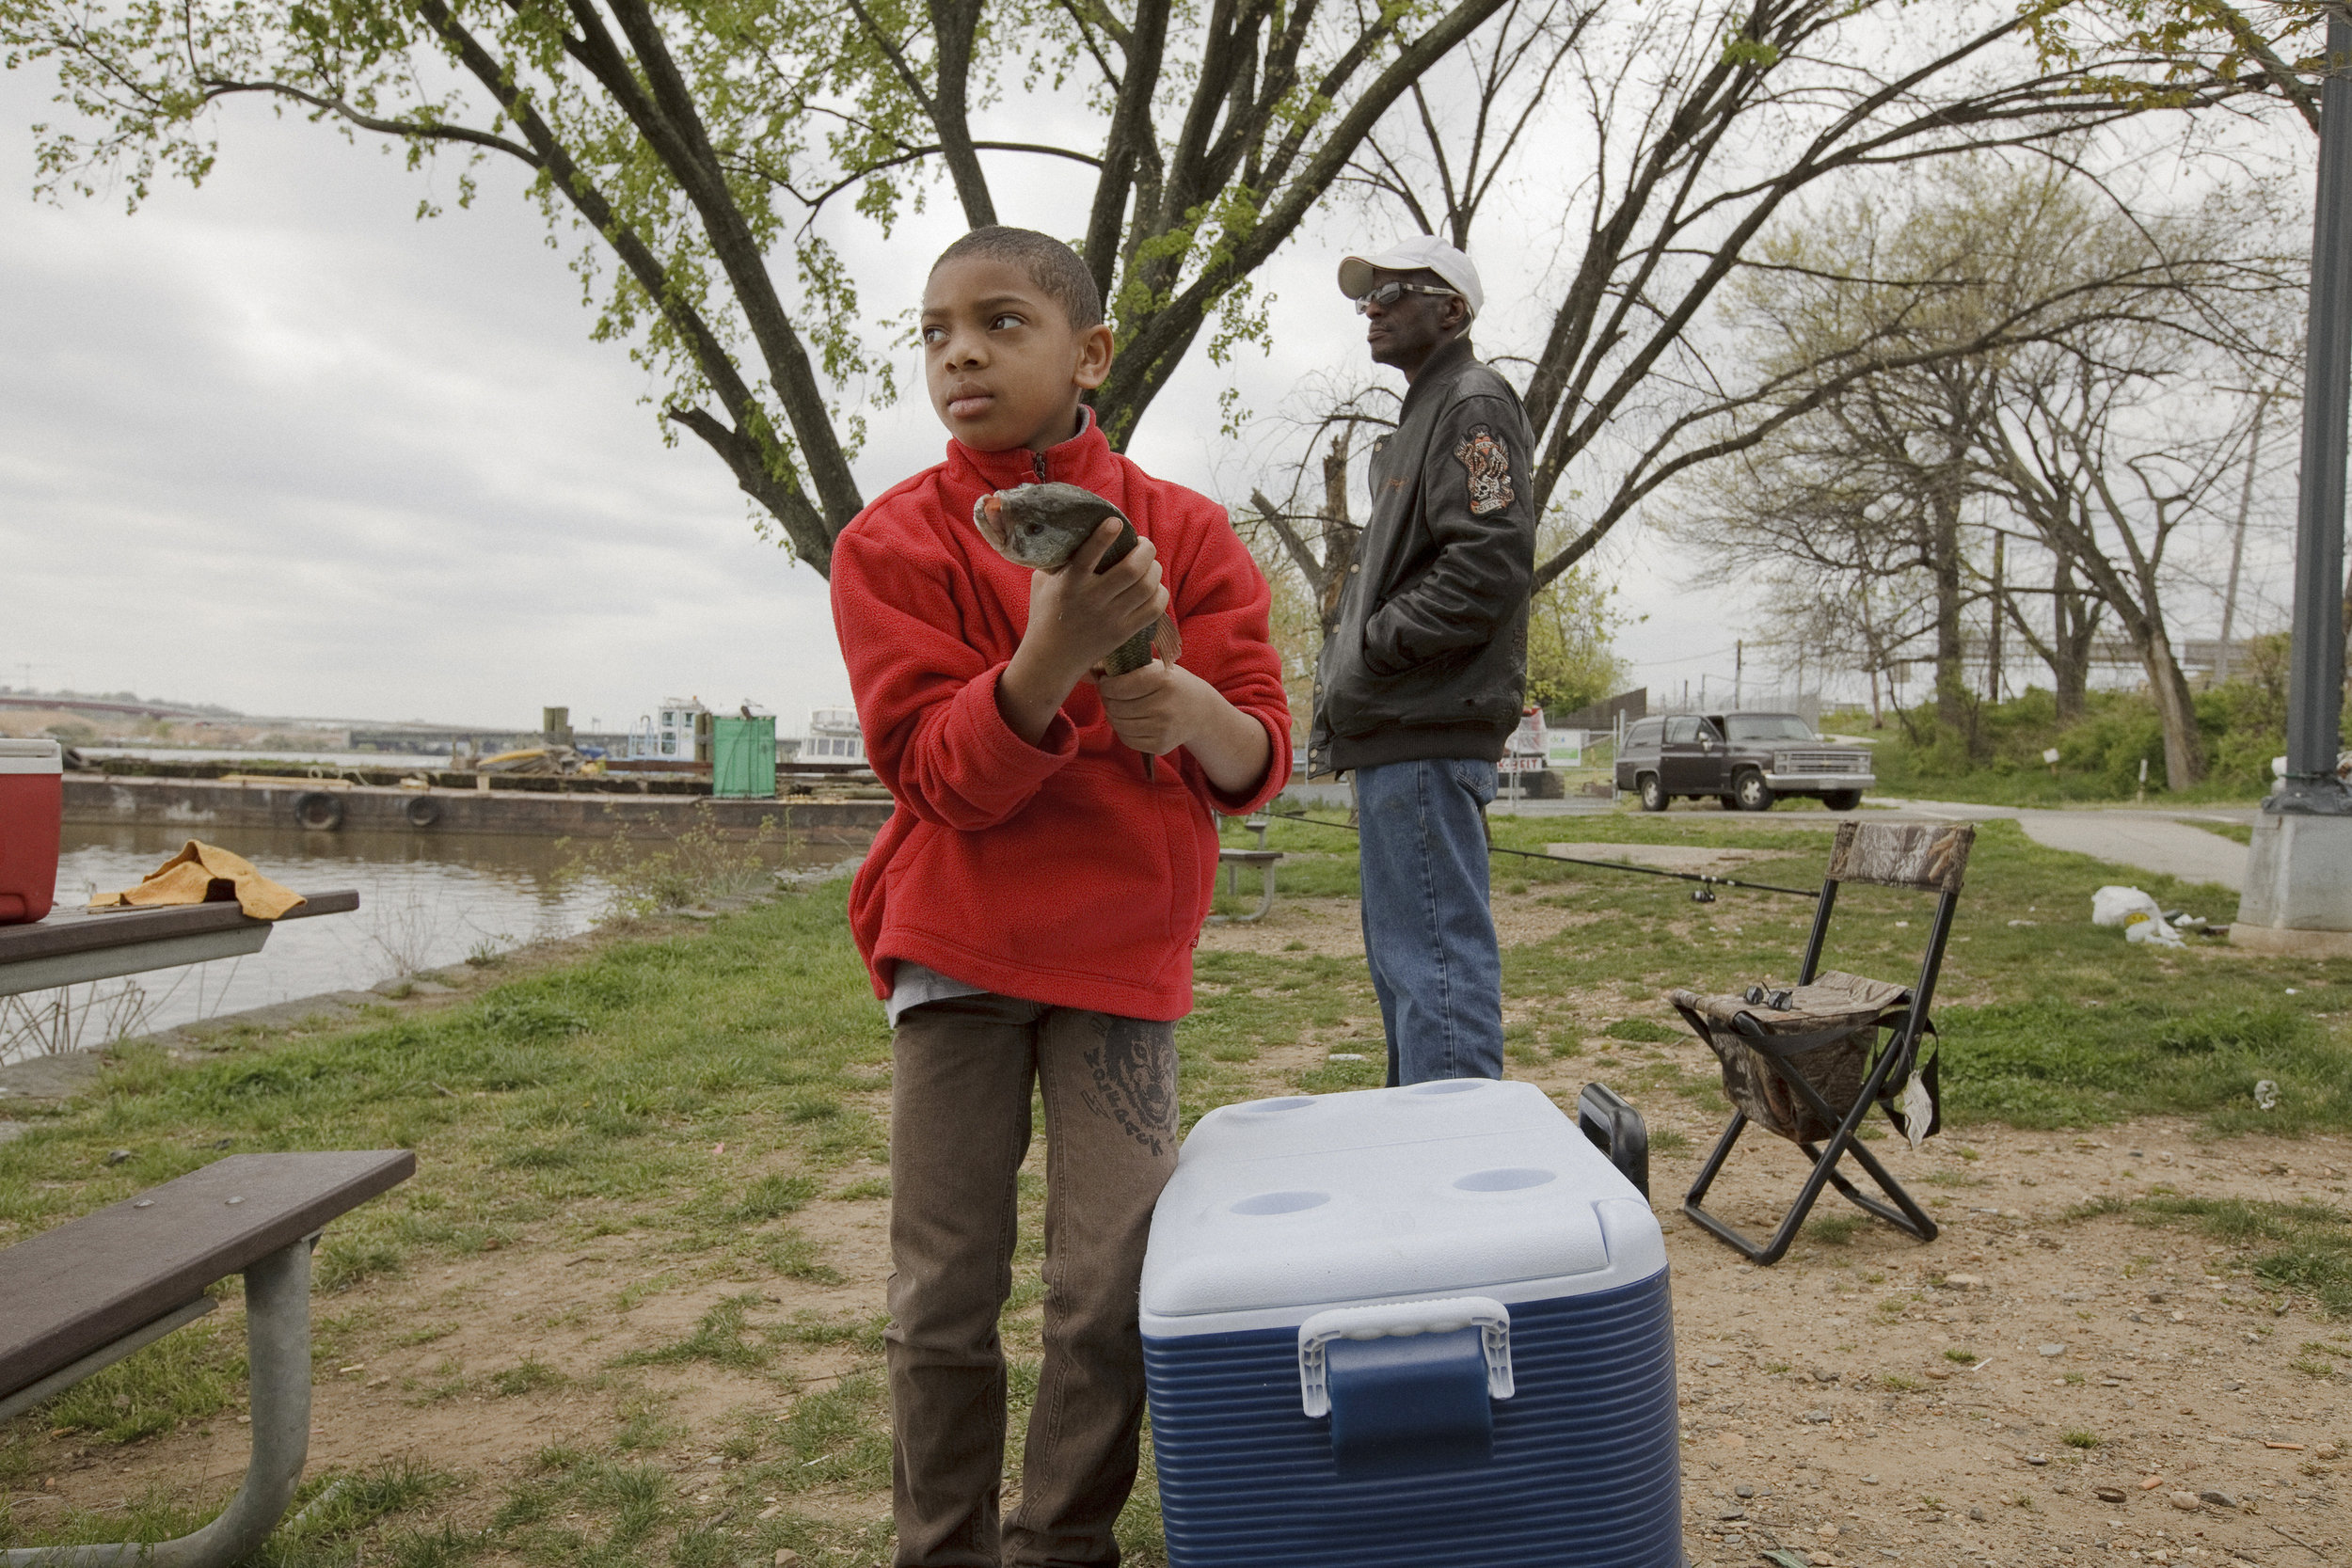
(1052, 266)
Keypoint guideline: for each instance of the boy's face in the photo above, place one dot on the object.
(1002, 363)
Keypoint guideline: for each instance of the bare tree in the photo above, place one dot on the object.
(1709, 121)
(1322, 563)
(1699, 127)
(2075, 617)
(2111, 489)
(1854, 518)
(2061, 431)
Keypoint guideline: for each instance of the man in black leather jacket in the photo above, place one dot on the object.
(1422, 678)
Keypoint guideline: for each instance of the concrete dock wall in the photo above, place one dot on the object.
(199, 804)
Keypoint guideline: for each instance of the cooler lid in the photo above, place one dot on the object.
(31, 756)
(1456, 1187)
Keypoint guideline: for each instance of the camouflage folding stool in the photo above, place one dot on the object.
(1807, 1062)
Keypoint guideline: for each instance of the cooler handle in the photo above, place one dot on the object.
(1401, 1320)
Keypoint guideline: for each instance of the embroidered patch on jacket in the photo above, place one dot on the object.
(1488, 462)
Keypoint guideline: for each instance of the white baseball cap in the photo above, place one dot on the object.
(1422, 251)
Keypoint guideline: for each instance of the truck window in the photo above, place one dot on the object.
(1754, 727)
(1682, 732)
(1644, 733)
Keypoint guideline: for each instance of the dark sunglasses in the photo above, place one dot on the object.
(1390, 292)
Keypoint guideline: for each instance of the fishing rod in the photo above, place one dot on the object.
(1494, 849)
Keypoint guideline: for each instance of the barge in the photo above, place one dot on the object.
(547, 807)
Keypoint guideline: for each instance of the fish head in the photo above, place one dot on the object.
(1041, 526)
(987, 516)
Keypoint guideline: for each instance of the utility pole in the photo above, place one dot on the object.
(1739, 672)
(2298, 881)
(2237, 545)
(1993, 640)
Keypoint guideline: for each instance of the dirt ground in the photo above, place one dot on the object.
(2029, 1389)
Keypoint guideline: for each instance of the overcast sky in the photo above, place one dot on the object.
(276, 445)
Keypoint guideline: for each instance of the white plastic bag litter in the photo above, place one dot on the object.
(2138, 925)
(2114, 906)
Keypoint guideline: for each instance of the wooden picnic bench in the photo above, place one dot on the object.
(77, 1299)
(1266, 860)
(75, 945)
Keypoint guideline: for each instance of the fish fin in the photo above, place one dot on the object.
(1168, 639)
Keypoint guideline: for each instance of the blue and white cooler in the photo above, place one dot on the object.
(1412, 1327)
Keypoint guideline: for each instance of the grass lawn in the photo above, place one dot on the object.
(698, 1112)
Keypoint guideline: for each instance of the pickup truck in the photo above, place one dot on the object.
(1745, 760)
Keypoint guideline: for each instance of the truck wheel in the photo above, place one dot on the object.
(1653, 793)
(1841, 799)
(1752, 792)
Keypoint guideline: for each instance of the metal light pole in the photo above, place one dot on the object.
(2315, 678)
(2299, 889)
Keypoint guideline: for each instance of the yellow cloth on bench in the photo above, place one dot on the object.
(205, 874)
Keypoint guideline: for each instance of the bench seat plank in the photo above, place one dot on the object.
(80, 1287)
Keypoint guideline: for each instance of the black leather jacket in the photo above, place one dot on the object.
(1429, 654)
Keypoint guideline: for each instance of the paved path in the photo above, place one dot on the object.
(2152, 840)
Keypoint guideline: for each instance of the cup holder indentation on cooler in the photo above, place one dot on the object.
(1450, 1085)
(1280, 1203)
(1289, 1102)
(1506, 1180)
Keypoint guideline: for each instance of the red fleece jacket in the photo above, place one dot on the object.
(1056, 873)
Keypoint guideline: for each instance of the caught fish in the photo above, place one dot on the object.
(1042, 526)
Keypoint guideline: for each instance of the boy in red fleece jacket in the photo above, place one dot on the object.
(1029, 911)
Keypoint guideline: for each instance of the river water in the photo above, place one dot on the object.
(425, 901)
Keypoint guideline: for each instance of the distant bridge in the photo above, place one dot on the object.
(91, 704)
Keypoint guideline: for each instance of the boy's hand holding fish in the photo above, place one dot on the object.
(1078, 617)
(1097, 593)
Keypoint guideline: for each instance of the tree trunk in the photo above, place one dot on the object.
(2183, 747)
(1951, 696)
(2074, 624)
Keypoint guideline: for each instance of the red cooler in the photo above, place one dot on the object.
(32, 808)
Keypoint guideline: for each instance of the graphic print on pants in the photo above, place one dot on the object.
(1488, 462)
(1133, 1073)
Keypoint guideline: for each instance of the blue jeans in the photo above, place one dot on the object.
(1429, 934)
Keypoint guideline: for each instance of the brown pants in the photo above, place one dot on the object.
(958, 1130)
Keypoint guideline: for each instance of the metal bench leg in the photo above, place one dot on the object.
(277, 1350)
(1265, 897)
